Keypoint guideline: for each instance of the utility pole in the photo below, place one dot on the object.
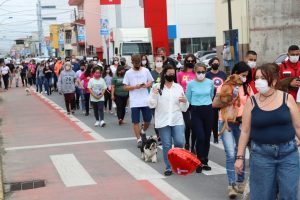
(40, 26)
(76, 32)
(229, 15)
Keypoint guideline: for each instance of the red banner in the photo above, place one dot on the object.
(109, 2)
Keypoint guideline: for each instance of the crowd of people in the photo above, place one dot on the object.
(185, 105)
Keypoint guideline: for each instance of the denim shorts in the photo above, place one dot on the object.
(135, 114)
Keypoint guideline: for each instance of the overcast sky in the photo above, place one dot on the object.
(18, 19)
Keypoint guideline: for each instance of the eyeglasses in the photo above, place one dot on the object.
(190, 61)
(201, 72)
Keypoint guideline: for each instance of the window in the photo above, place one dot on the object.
(49, 18)
(192, 45)
(171, 46)
(68, 36)
(139, 48)
(48, 7)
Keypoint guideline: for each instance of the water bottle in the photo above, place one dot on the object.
(235, 92)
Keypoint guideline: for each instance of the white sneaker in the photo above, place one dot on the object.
(102, 123)
(97, 123)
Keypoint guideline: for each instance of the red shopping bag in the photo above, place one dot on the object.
(182, 161)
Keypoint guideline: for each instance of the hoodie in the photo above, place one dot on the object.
(66, 81)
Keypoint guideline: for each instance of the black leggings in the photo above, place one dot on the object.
(121, 102)
(187, 122)
(215, 127)
(5, 80)
(201, 118)
(87, 102)
(24, 79)
(107, 99)
(70, 101)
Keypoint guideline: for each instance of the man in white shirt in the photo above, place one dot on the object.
(137, 80)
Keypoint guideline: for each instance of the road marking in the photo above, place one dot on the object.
(83, 126)
(71, 171)
(134, 165)
(142, 171)
(216, 169)
(67, 144)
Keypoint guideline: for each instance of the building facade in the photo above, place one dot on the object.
(267, 27)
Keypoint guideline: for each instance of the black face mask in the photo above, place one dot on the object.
(137, 68)
(190, 65)
(170, 78)
(215, 66)
(82, 69)
(123, 63)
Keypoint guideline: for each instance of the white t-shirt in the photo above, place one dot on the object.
(138, 97)
(113, 69)
(298, 96)
(4, 70)
(97, 86)
(77, 76)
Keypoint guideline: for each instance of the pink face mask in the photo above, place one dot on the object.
(97, 75)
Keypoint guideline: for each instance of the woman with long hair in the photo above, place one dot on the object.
(184, 78)
(168, 99)
(107, 75)
(85, 77)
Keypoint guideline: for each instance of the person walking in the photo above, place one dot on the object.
(115, 65)
(271, 120)
(5, 74)
(218, 77)
(137, 80)
(200, 93)
(97, 87)
(231, 138)
(108, 76)
(79, 88)
(48, 76)
(66, 86)
(184, 78)
(119, 94)
(145, 62)
(24, 70)
(168, 100)
(85, 78)
(40, 76)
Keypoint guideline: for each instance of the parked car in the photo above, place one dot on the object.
(200, 54)
(282, 57)
(208, 56)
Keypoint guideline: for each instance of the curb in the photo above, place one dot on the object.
(1, 164)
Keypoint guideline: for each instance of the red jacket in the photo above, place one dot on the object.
(288, 69)
(252, 83)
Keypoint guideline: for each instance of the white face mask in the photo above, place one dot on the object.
(200, 76)
(252, 64)
(116, 62)
(144, 62)
(243, 79)
(294, 59)
(158, 65)
(262, 86)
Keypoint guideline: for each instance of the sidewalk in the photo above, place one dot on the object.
(29, 121)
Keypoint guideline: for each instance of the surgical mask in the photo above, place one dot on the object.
(200, 76)
(262, 86)
(82, 69)
(158, 65)
(243, 79)
(97, 75)
(95, 62)
(294, 59)
(144, 62)
(116, 62)
(252, 64)
(215, 66)
(170, 78)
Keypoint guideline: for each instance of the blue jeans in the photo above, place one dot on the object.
(47, 85)
(274, 169)
(230, 142)
(40, 83)
(80, 97)
(166, 135)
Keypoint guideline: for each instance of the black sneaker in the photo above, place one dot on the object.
(216, 140)
(206, 167)
(168, 173)
(199, 169)
(187, 147)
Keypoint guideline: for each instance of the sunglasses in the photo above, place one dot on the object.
(201, 72)
(190, 61)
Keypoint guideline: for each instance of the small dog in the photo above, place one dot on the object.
(27, 90)
(149, 149)
(229, 112)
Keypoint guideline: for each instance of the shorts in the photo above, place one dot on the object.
(135, 114)
(11, 77)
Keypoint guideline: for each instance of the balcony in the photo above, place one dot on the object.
(80, 18)
(75, 2)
